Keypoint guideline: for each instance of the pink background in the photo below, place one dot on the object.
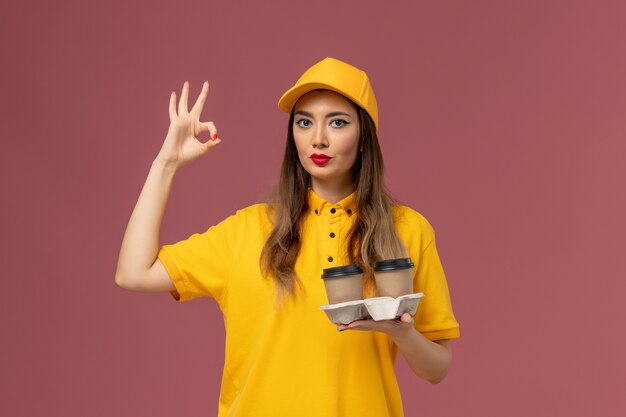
(502, 122)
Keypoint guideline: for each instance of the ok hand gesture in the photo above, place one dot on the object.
(181, 144)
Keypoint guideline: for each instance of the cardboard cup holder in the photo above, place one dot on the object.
(377, 308)
(345, 313)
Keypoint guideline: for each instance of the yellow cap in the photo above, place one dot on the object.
(335, 75)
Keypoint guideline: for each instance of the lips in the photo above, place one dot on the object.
(320, 159)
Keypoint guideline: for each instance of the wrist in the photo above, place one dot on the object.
(404, 335)
(164, 164)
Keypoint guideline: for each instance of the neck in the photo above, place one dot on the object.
(332, 191)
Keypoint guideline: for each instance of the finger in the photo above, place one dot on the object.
(210, 127)
(199, 105)
(172, 108)
(362, 322)
(358, 325)
(210, 144)
(364, 328)
(406, 318)
(362, 325)
(184, 95)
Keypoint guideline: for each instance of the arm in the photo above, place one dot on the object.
(138, 267)
(428, 360)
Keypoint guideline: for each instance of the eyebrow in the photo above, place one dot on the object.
(333, 114)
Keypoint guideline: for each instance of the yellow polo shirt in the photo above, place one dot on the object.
(292, 361)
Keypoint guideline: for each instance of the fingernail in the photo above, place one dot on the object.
(214, 136)
(341, 330)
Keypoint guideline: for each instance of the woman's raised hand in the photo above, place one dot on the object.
(181, 144)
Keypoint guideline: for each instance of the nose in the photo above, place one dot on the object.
(320, 139)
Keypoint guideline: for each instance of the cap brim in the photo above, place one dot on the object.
(289, 99)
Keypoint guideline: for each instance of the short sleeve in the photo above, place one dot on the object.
(434, 317)
(199, 265)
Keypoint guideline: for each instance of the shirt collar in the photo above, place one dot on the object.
(318, 205)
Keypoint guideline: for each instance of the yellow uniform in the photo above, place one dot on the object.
(292, 361)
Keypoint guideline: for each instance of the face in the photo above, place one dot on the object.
(326, 131)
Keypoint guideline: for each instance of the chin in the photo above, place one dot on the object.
(326, 176)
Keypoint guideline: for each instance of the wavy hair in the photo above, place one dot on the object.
(372, 236)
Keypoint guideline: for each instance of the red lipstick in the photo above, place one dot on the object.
(320, 159)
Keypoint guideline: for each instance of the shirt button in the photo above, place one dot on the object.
(332, 234)
(332, 210)
(349, 211)
(315, 211)
(330, 259)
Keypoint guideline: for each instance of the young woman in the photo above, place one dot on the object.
(263, 264)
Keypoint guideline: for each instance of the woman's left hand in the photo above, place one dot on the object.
(398, 327)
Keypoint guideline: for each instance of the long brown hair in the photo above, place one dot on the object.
(372, 236)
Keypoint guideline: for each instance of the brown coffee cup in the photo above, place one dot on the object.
(394, 277)
(343, 283)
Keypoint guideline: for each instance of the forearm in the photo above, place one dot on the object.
(428, 360)
(141, 239)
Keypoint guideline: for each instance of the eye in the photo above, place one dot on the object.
(338, 123)
(303, 123)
